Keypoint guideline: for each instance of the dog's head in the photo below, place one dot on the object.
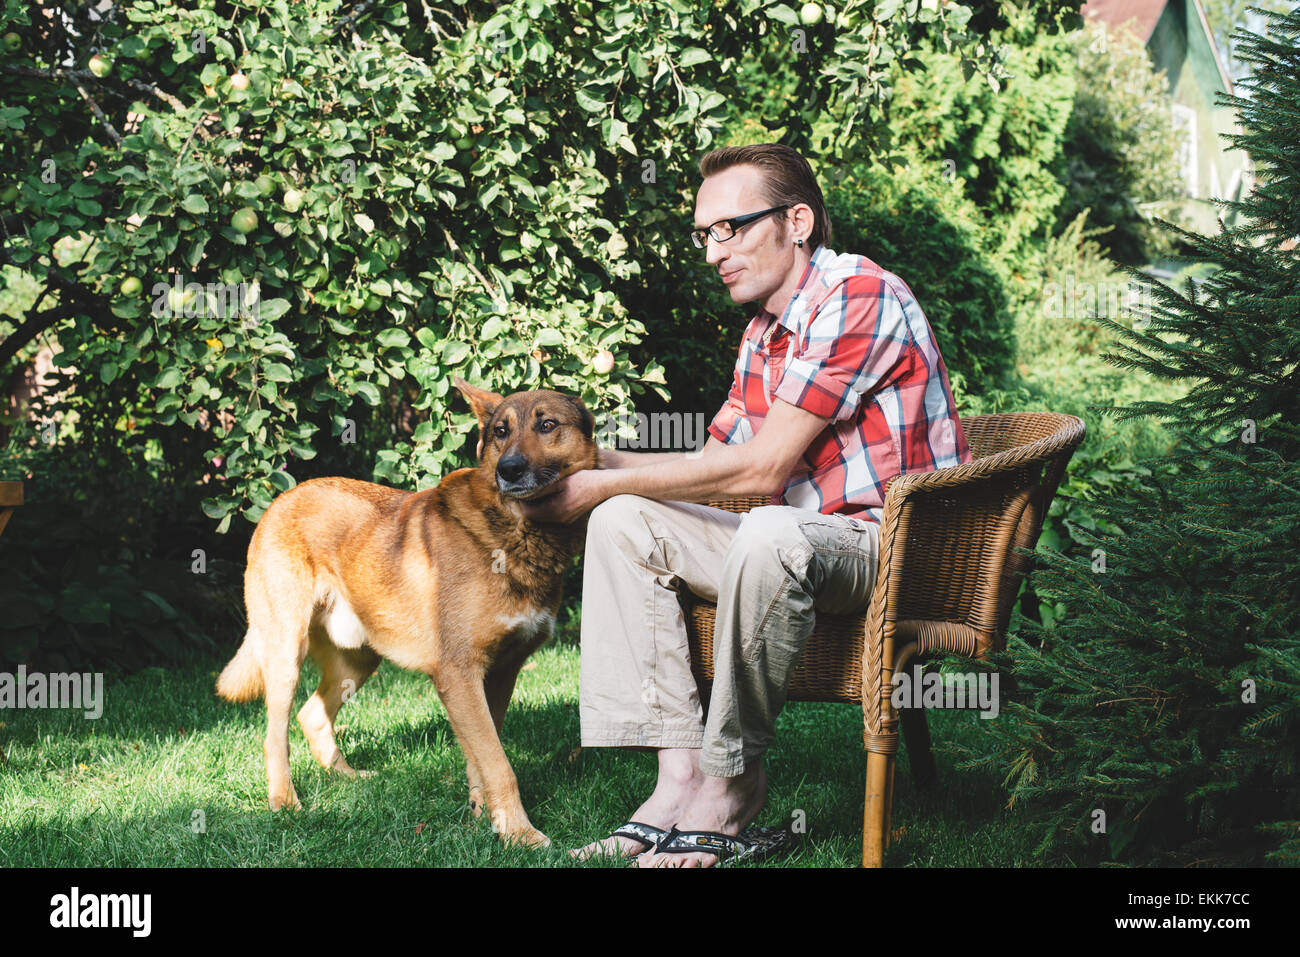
(528, 441)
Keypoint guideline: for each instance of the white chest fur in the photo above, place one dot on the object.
(535, 623)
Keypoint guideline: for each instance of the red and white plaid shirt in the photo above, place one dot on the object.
(852, 346)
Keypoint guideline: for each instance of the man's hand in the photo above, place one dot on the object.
(574, 496)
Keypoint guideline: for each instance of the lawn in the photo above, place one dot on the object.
(172, 776)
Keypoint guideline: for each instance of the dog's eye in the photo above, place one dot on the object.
(500, 431)
(547, 425)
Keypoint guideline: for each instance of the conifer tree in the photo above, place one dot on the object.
(1168, 699)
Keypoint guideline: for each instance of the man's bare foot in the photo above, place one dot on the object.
(679, 778)
(727, 805)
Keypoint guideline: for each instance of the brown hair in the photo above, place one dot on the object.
(787, 180)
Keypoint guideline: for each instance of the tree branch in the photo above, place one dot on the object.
(79, 300)
(356, 14)
(492, 291)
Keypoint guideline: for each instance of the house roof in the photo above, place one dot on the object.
(1117, 12)
(1144, 15)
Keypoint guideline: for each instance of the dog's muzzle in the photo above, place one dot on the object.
(516, 479)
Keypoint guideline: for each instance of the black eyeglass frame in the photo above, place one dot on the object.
(700, 236)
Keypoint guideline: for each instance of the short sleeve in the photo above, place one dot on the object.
(856, 338)
(723, 426)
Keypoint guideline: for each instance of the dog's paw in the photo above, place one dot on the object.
(530, 837)
(288, 802)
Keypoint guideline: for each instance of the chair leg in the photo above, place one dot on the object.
(916, 736)
(875, 813)
(889, 800)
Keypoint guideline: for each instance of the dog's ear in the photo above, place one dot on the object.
(585, 418)
(482, 402)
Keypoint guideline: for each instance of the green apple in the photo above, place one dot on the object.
(239, 81)
(810, 14)
(265, 184)
(179, 299)
(130, 286)
(13, 42)
(244, 220)
(100, 66)
(373, 303)
(604, 362)
(292, 200)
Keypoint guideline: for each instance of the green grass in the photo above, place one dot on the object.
(125, 790)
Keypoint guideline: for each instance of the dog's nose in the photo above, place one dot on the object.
(512, 467)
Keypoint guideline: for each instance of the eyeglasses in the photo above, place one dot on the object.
(724, 229)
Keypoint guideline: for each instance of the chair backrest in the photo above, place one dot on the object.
(1048, 439)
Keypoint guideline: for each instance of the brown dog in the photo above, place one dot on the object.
(451, 581)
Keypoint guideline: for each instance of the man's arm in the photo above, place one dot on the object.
(757, 467)
(625, 459)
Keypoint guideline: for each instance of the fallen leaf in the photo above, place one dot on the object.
(575, 754)
(419, 828)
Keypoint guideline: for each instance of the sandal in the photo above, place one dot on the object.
(635, 830)
(753, 844)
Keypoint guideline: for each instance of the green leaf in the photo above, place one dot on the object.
(494, 327)
(369, 392)
(589, 101)
(282, 480)
(268, 310)
(693, 55)
(454, 353)
(393, 338)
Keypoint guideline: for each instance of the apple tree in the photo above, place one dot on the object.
(265, 232)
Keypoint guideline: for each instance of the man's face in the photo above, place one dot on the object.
(760, 260)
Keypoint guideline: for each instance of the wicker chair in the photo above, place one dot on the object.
(948, 575)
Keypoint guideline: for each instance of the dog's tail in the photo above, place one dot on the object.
(242, 679)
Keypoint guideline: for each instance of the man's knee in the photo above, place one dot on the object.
(632, 525)
(617, 513)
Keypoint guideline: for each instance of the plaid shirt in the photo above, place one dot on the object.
(854, 347)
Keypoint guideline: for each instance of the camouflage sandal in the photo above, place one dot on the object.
(753, 844)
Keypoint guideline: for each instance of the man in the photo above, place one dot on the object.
(839, 387)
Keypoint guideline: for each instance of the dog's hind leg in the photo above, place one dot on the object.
(279, 612)
(343, 672)
(282, 666)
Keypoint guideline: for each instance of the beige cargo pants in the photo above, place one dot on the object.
(769, 571)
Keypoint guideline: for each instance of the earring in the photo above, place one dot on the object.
(799, 243)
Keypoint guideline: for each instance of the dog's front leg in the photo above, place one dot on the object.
(498, 686)
(463, 696)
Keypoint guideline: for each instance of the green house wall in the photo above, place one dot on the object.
(1179, 46)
